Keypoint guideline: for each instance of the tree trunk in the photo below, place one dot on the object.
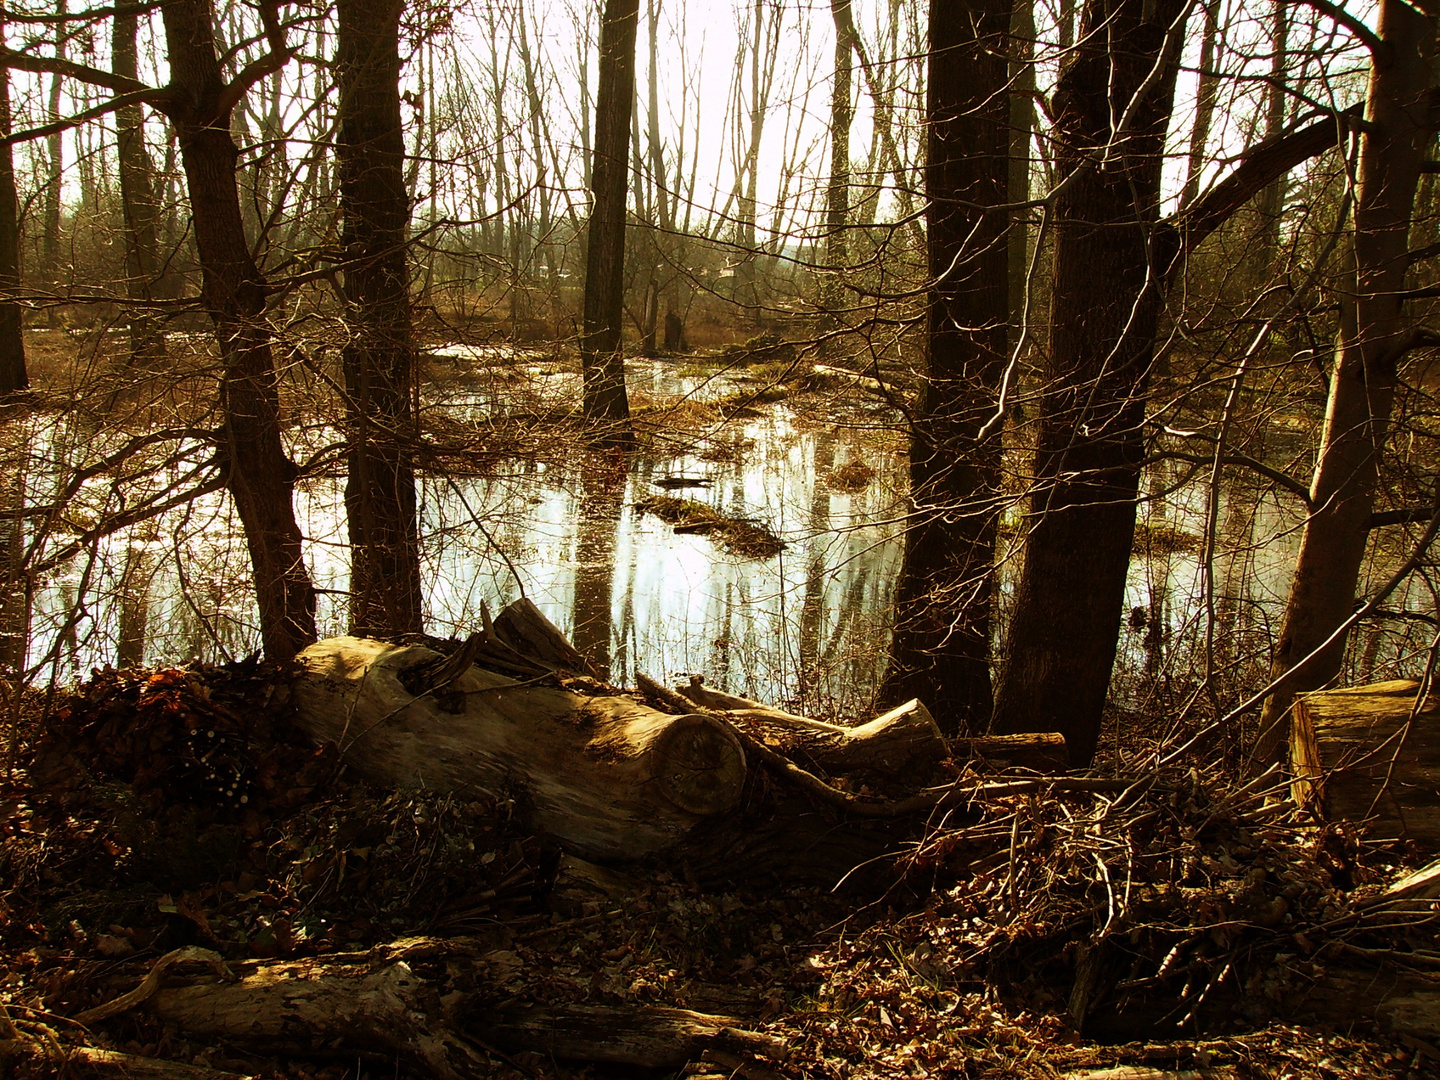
(1022, 129)
(54, 171)
(601, 359)
(1207, 87)
(1372, 340)
(1105, 308)
(378, 357)
(941, 648)
(13, 374)
(138, 205)
(608, 777)
(259, 474)
(837, 192)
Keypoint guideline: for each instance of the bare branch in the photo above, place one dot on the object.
(1349, 21)
(9, 58)
(1260, 166)
(138, 97)
(261, 68)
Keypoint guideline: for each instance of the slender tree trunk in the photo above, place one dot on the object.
(259, 474)
(13, 374)
(379, 357)
(1372, 340)
(601, 359)
(54, 169)
(1104, 313)
(941, 648)
(1271, 204)
(1022, 129)
(1206, 88)
(139, 205)
(837, 193)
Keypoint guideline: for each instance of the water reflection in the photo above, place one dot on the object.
(807, 628)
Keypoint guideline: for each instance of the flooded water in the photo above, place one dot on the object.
(808, 628)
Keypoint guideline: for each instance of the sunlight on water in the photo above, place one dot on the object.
(807, 628)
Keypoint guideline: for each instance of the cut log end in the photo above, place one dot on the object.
(699, 764)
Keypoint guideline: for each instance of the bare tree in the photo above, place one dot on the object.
(1113, 105)
(144, 271)
(601, 358)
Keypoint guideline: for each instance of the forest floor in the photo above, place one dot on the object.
(151, 811)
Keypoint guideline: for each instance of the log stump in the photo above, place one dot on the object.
(1357, 756)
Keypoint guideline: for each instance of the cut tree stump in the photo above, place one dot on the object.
(1356, 756)
(606, 776)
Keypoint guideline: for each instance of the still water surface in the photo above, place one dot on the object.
(808, 628)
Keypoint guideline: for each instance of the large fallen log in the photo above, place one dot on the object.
(613, 780)
(610, 777)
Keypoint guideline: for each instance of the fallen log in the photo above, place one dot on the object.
(439, 1006)
(609, 777)
(905, 741)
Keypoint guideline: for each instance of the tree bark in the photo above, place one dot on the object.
(379, 356)
(601, 359)
(14, 377)
(1105, 309)
(259, 474)
(941, 649)
(1372, 341)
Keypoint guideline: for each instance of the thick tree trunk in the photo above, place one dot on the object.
(259, 474)
(378, 357)
(1372, 341)
(138, 205)
(941, 647)
(1105, 308)
(1022, 130)
(601, 358)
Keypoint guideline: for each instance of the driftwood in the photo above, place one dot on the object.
(904, 742)
(1356, 756)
